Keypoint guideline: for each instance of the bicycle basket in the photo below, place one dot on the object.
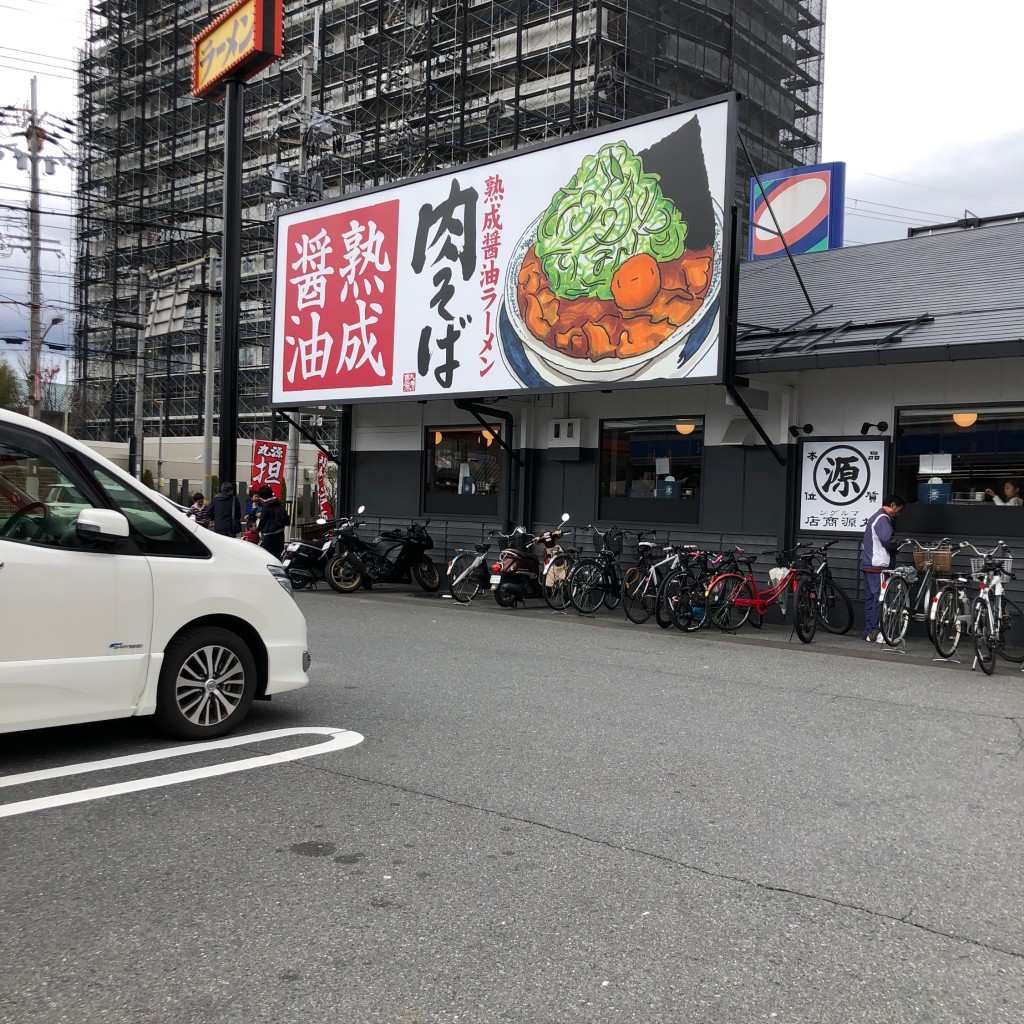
(613, 540)
(940, 559)
(978, 564)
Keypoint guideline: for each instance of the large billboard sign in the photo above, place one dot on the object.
(598, 262)
(807, 205)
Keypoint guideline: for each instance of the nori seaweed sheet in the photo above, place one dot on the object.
(679, 161)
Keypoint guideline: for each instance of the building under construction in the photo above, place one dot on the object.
(368, 92)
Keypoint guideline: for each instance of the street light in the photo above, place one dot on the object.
(35, 391)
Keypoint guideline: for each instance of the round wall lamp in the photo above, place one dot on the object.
(686, 428)
(438, 437)
(965, 419)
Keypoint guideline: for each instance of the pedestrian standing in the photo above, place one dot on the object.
(272, 522)
(199, 510)
(879, 552)
(227, 513)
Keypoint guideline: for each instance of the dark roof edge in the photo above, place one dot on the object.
(875, 357)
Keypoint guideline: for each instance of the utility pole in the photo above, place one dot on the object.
(140, 376)
(34, 135)
(212, 297)
(308, 65)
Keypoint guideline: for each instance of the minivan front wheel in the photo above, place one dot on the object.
(207, 684)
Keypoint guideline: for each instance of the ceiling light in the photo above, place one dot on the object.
(965, 419)
(686, 428)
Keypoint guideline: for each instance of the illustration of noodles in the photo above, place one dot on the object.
(609, 276)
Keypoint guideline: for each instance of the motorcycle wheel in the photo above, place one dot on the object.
(505, 596)
(341, 576)
(427, 576)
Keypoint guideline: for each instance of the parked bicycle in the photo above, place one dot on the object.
(469, 572)
(997, 621)
(731, 597)
(683, 594)
(643, 583)
(596, 580)
(951, 607)
(833, 608)
(932, 566)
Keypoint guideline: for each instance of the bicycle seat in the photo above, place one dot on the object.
(481, 548)
(646, 544)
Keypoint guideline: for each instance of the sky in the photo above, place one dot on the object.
(921, 100)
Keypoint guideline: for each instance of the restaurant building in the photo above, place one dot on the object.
(888, 367)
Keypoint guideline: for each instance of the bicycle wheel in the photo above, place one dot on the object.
(690, 613)
(805, 611)
(895, 615)
(834, 608)
(671, 588)
(463, 579)
(984, 637)
(722, 596)
(586, 587)
(639, 598)
(948, 624)
(1011, 639)
(556, 582)
(670, 592)
(612, 591)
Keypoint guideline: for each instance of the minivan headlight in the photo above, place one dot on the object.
(277, 571)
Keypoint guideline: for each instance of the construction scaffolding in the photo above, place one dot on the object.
(369, 93)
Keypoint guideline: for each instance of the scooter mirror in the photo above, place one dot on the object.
(565, 517)
(360, 510)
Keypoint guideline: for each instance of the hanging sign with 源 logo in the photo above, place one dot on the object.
(244, 40)
(841, 484)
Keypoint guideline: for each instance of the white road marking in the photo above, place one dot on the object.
(339, 739)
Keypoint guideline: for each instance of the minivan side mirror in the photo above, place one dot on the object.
(101, 525)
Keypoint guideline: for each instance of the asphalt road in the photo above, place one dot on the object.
(549, 819)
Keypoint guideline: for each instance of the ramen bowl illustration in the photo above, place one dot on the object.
(603, 287)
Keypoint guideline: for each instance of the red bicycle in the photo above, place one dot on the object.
(732, 596)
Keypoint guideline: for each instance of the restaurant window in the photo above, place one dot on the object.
(462, 470)
(961, 458)
(651, 469)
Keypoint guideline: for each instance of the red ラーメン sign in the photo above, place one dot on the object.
(339, 311)
(268, 464)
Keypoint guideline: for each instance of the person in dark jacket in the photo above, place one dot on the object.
(272, 522)
(879, 552)
(227, 513)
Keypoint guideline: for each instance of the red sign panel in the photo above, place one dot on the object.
(339, 300)
(268, 464)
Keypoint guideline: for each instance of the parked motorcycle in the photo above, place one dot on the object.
(520, 573)
(305, 561)
(396, 556)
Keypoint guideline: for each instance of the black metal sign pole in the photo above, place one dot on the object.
(231, 280)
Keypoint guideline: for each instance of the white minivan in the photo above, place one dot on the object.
(113, 603)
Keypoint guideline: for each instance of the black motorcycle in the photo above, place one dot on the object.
(396, 556)
(305, 561)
